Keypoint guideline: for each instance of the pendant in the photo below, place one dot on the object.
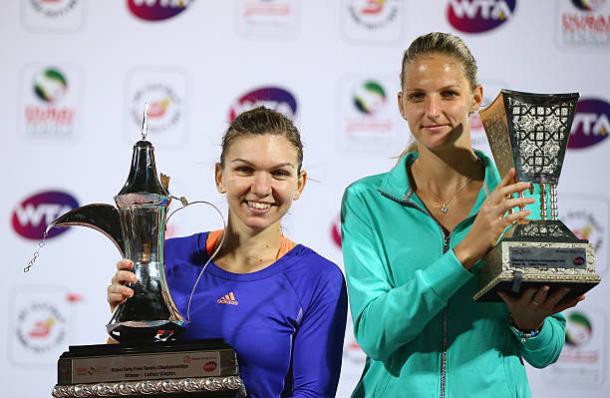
(444, 208)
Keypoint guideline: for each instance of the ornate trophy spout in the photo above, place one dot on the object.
(137, 228)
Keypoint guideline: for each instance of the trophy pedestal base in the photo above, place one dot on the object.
(506, 283)
(528, 257)
(204, 368)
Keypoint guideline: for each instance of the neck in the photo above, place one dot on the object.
(445, 171)
(246, 251)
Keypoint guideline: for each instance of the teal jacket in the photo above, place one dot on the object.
(411, 300)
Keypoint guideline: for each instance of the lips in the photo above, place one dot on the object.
(435, 127)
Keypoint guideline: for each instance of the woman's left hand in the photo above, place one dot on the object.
(529, 310)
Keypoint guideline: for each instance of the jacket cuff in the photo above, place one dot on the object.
(539, 341)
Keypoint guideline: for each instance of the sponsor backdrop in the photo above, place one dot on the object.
(75, 74)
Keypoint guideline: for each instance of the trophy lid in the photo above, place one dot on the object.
(143, 177)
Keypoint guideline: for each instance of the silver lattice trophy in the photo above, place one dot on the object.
(137, 228)
(530, 132)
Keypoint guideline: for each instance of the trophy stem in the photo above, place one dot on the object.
(554, 211)
(543, 201)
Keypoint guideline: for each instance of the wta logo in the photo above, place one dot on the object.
(275, 98)
(157, 10)
(33, 215)
(476, 16)
(591, 123)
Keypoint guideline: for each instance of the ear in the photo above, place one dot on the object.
(301, 182)
(401, 105)
(477, 98)
(218, 178)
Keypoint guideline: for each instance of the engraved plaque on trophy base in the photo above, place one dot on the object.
(205, 368)
(522, 260)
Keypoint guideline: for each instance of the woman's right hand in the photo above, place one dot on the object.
(494, 216)
(118, 290)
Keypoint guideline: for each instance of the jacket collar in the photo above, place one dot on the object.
(396, 184)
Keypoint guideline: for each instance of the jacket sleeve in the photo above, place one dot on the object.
(318, 343)
(387, 317)
(544, 349)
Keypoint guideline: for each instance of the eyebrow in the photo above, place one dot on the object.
(450, 86)
(277, 166)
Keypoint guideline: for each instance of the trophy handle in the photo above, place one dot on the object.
(185, 203)
(100, 217)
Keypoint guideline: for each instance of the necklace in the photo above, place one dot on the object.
(445, 203)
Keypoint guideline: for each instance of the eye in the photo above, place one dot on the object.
(281, 173)
(244, 170)
(449, 94)
(415, 97)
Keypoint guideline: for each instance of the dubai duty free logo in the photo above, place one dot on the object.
(583, 24)
(578, 329)
(478, 16)
(368, 115)
(32, 216)
(49, 103)
(591, 123)
(582, 360)
(157, 10)
(275, 19)
(367, 122)
(272, 97)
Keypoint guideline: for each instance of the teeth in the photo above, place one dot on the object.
(259, 205)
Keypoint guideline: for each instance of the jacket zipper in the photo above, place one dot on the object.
(446, 243)
(446, 240)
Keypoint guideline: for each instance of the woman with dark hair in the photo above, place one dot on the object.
(412, 243)
(279, 304)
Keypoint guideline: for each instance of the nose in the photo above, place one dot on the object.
(433, 107)
(261, 184)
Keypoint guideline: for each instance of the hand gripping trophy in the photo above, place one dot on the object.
(148, 324)
(530, 132)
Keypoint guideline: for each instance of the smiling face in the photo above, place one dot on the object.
(261, 178)
(437, 100)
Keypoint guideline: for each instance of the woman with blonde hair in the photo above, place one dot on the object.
(413, 239)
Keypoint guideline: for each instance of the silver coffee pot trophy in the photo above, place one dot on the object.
(137, 228)
(147, 324)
